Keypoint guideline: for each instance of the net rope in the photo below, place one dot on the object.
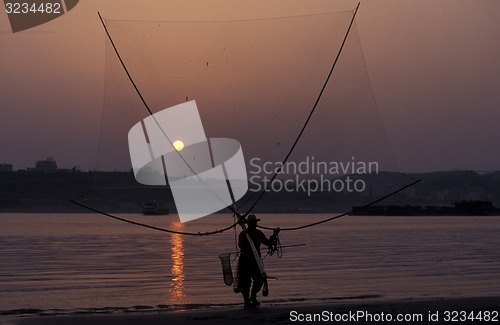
(241, 217)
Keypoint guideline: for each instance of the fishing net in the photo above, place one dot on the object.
(255, 81)
(225, 260)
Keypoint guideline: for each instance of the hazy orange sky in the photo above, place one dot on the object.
(434, 67)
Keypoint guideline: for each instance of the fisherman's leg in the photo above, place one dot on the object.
(245, 281)
(258, 281)
(245, 291)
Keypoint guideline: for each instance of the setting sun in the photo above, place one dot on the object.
(178, 145)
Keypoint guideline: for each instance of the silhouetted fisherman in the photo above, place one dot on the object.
(248, 268)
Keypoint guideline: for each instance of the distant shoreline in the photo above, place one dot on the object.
(260, 212)
(118, 192)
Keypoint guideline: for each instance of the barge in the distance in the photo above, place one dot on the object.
(460, 208)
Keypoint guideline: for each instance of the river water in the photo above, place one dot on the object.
(75, 262)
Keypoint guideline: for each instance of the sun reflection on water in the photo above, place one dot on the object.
(176, 286)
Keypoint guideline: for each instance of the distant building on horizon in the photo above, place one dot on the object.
(48, 165)
(6, 168)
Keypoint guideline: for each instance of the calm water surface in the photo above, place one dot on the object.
(71, 261)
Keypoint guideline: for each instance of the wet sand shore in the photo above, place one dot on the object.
(428, 311)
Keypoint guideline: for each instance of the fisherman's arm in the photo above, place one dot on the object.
(241, 239)
(272, 239)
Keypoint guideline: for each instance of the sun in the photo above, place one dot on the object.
(178, 145)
